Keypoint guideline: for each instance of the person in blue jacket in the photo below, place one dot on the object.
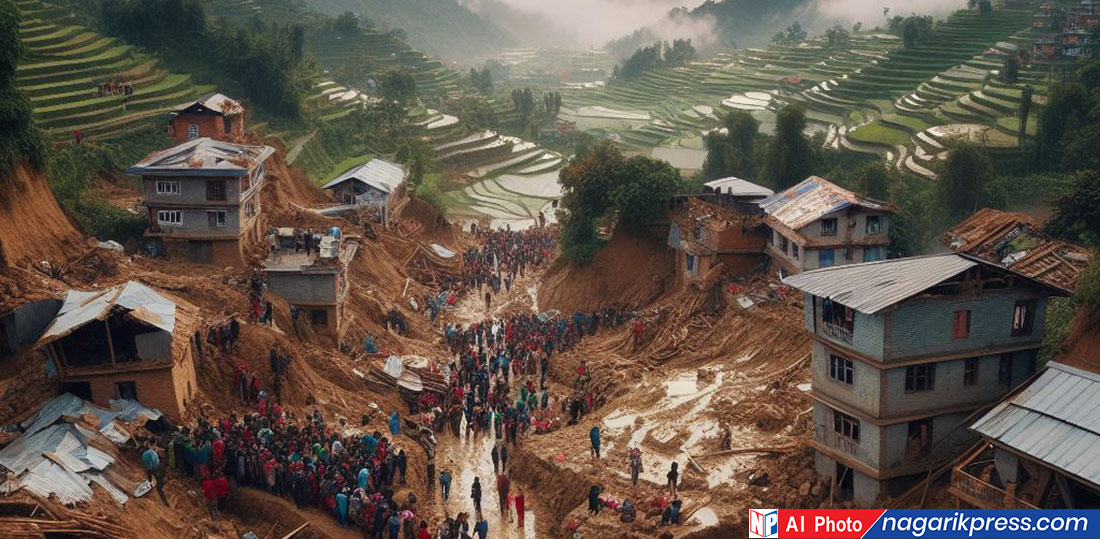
(594, 435)
(395, 424)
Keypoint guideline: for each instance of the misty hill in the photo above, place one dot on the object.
(438, 27)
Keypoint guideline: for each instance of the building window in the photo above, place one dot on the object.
(873, 226)
(920, 377)
(1023, 318)
(168, 188)
(690, 263)
(840, 369)
(970, 371)
(848, 254)
(170, 217)
(783, 244)
(873, 254)
(193, 131)
(794, 250)
(249, 209)
(319, 318)
(960, 325)
(216, 218)
(828, 227)
(825, 258)
(846, 425)
(215, 190)
(1004, 371)
(126, 390)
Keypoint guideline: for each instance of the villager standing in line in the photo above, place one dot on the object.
(594, 436)
(475, 494)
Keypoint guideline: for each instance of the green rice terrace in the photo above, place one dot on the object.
(65, 65)
(870, 95)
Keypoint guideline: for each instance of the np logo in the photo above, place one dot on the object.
(763, 523)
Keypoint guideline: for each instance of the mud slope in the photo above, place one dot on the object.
(32, 225)
(1081, 348)
(631, 270)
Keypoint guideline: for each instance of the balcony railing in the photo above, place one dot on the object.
(842, 443)
(976, 491)
(838, 332)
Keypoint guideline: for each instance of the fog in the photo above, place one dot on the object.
(583, 24)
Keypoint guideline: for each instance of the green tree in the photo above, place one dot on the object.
(874, 181)
(961, 187)
(793, 34)
(789, 157)
(524, 101)
(19, 138)
(731, 153)
(913, 30)
(398, 86)
(1076, 215)
(347, 23)
(482, 80)
(643, 193)
(1010, 70)
(416, 154)
(984, 7)
(1024, 113)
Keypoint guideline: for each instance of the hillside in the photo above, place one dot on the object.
(439, 27)
(65, 64)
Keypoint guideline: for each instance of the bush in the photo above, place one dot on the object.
(71, 168)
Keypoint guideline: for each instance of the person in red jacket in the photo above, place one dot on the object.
(519, 508)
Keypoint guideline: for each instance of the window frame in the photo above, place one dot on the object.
(880, 254)
(173, 191)
(955, 326)
(223, 222)
(872, 230)
(841, 369)
(846, 426)
(821, 258)
(215, 184)
(192, 131)
(825, 230)
(1026, 326)
(1005, 368)
(971, 370)
(917, 381)
(169, 222)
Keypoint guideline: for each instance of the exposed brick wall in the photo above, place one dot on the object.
(155, 389)
(210, 125)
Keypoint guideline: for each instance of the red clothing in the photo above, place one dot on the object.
(208, 491)
(221, 487)
(519, 510)
(424, 534)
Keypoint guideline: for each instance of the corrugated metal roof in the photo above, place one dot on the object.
(738, 187)
(378, 173)
(814, 198)
(222, 104)
(80, 308)
(1055, 420)
(873, 286)
(203, 157)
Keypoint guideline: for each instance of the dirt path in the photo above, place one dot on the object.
(297, 145)
(262, 510)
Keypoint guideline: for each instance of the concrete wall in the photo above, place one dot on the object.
(225, 252)
(866, 489)
(948, 390)
(868, 330)
(298, 288)
(850, 227)
(867, 450)
(192, 190)
(923, 326)
(947, 440)
(864, 392)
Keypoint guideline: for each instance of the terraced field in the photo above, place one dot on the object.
(383, 51)
(65, 64)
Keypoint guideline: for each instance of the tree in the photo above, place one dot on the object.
(789, 157)
(874, 181)
(793, 34)
(962, 185)
(1024, 113)
(416, 154)
(913, 30)
(1010, 70)
(659, 54)
(397, 86)
(731, 153)
(837, 36)
(347, 24)
(524, 101)
(19, 138)
(482, 79)
(1076, 215)
(641, 196)
(552, 103)
(984, 7)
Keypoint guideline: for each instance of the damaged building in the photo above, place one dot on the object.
(315, 281)
(817, 224)
(904, 351)
(202, 199)
(215, 116)
(126, 342)
(378, 184)
(706, 235)
(1016, 241)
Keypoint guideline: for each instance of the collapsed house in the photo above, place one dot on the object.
(315, 282)
(125, 342)
(817, 224)
(706, 235)
(377, 184)
(68, 444)
(904, 351)
(1040, 447)
(203, 201)
(1015, 241)
(215, 116)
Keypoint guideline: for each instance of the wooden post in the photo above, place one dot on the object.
(110, 342)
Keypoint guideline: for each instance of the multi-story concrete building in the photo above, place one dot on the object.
(904, 350)
(817, 224)
(315, 282)
(126, 342)
(202, 199)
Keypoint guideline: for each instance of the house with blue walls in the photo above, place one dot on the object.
(904, 352)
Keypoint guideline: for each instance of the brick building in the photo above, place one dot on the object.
(817, 224)
(215, 116)
(904, 352)
(202, 199)
(707, 234)
(126, 342)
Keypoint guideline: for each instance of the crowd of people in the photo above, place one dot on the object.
(504, 256)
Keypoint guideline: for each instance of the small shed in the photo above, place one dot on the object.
(215, 116)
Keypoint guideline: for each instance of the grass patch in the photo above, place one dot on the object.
(876, 133)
